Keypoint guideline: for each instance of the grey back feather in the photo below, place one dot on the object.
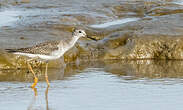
(43, 48)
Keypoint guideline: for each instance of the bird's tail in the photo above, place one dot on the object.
(10, 50)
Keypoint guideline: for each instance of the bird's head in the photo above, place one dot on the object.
(79, 33)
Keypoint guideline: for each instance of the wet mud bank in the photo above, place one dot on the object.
(124, 30)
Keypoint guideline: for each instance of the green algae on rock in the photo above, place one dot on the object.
(155, 32)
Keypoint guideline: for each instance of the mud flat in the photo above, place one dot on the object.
(136, 61)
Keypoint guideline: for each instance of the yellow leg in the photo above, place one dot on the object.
(35, 91)
(46, 75)
(35, 78)
(46, 98)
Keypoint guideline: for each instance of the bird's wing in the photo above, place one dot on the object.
(43, 48)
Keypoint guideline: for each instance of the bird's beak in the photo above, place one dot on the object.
(91, 38)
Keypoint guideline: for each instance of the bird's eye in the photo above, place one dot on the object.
(79, 31)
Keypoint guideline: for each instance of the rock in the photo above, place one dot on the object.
(25, 1)
(160, 38)
(151, 69)
(157, 34)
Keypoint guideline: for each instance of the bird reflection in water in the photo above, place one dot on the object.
(46, 98)
(33, 102)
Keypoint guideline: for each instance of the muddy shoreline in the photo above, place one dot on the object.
(124, 30)
(136, 62)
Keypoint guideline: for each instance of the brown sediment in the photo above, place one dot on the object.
(157, 34)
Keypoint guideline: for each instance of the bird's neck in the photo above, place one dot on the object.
(73, 41)
(65, 46)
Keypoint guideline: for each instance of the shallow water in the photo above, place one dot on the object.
(98, 85)
(109, 85)
(179, 2)
(8, 17)
(116, 22)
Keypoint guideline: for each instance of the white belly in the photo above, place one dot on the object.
(54, 55)
(45, 57)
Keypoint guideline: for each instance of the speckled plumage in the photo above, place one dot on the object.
(43, 48)
(50, 50)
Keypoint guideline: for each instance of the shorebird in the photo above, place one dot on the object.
(48, 51)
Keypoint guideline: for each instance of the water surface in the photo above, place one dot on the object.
(115, 22)
(98, 85)
(7, 17)
(109, 85)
